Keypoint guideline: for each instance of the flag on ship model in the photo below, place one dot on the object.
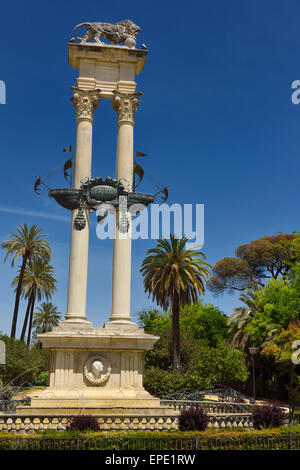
(68, 165)
(140, 172)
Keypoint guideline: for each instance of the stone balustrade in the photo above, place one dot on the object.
(30, 424)
(212, 407)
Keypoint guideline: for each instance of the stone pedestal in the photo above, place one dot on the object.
(96, 371)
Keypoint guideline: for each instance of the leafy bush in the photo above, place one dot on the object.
(267, 417)
(160, 382)
(22, 364)
(193, 419)
(43, 378)
(83, 423)
(212, 366)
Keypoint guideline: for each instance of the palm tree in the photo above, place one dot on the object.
(174, 276)
(242, 316)
(47, 317)
(237, 322)
(38, 282)
(250, 297)
(27, 244)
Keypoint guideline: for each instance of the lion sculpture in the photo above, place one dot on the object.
(123, 31)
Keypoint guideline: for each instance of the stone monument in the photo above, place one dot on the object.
(100, 370)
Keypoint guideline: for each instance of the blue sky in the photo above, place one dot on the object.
(216, 117)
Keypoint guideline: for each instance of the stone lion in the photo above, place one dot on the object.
(123, 31)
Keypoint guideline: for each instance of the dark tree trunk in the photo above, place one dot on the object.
(22, 338)
(30, 321)
(17, 301)
(175, 333)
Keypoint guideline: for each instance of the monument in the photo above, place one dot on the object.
(100, 370)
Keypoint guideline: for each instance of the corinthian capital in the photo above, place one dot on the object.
(85, 102)
(126, 105)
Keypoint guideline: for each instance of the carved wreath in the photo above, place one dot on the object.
(93, 368)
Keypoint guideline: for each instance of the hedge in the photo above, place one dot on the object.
(269, 439)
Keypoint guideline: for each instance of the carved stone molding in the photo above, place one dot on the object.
(126, 105)
(85, 102)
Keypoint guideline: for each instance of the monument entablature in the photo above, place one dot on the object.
(106, 67)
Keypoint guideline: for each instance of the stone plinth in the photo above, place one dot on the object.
(106, 67)
(96, 371)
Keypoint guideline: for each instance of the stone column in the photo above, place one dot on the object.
(126, 106)
(84, 102)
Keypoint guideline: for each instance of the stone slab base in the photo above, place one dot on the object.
(103, 411)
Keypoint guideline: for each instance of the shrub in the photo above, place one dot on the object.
(43, 378)
(267, 417)
(193, 419)
(22, 364)
(161, 382)
(83, 423)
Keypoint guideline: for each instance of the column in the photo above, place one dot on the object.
(126, 106)
(84, 102)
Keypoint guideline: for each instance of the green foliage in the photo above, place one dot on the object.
(27, 244)
(222, 365)
(280, 351)
(201, 325)
(46, 317)
(239, 439)
(174, 276)
(22, 364)
(171, 268)
(160, 382)
(279, 303)
(205, 323)
(267, 257)
(210, 366)
(205, 358)
(43, 378)
(154, 321)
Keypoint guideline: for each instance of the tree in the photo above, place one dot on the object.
(268, 257)
(238, 337)
(46, 317)
(200, 325)
(23, 365)
(213, 366)
(206, 324)
(224, 366)
(27, 244)
(38, 282)
(278, 306)
(175, 277)
(280, 351)
(241, 318)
